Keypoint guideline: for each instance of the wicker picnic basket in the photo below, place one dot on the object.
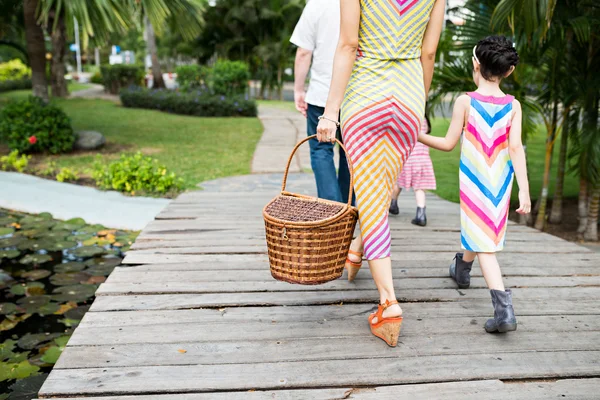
(308, 238)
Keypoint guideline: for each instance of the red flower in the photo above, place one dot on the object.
(32, 139)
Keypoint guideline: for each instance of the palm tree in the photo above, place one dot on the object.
(153, 15)
(36, 49)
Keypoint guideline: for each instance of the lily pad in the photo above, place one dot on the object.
(8, 308)
(7, 220)
(9, 254)
(62, 341)
(6, 231)
(30, 341)
(61, 245)
(33, 233)
(69, 267)
(35, 259)
(80, 237)
(71, 225)
(88, 251)
(11, 241)
(48, 309)
(17, 370)
(34, 304)
(77, 313)
(91, 229)
(69, 278)
(31, 219)
(100, 270)
(28, 388)
(104, 262)
(46, 224)
(24, 288)
(51, 355)
(57, 234)
(76, 293)
(36, 274)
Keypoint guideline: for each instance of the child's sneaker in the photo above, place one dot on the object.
(460, 271)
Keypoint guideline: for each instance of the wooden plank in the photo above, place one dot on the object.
(580, 389)
(287, 375)
(179, 301)
(358, 312)
(322, 330)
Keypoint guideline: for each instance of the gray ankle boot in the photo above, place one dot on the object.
(504, 316)
(420, 219)
(460, 271)
(394, 207)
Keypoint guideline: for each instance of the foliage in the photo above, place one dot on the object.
(8, 86)
(32, 126)
(97, 78)
(118, 76)
(14, 70)
(14, 161)
(229, 77)
(197, 103)
(192, 77)
(135, 173)
(67, 175)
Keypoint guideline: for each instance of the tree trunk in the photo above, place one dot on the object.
(157, 78)
(540, 220)
(59, 47)
(591, 232)
(582, 205)
(556, 212)
(36, 49)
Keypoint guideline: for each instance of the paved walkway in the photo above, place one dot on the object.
(31, 194)
(193, 314)
(95, 92)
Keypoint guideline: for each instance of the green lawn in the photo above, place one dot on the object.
(446, 166)
(75, 86)
(197, 149)
(285, 105)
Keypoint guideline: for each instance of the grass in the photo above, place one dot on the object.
(75, 86)
(446, 167)
(285, 105)
(197, 149)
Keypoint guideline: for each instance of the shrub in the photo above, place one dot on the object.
(21, 84)
(229, 77)
(14, 161)
(67, 174)
(33, 126)
(97, 78)
(192, 77)
(198, 103)
(14, 70)
(135, 173)
(115, 77)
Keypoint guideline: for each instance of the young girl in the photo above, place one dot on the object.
(491, 153)
(417, 174)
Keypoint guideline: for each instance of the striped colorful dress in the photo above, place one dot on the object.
(486, 173)
(383, 108)
(418, 170)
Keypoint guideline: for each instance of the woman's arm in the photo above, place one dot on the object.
(343, 61)
(430, 42)
(457, 125)
(517, 156)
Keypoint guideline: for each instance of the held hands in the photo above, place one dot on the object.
(326, 130)
(524, 203)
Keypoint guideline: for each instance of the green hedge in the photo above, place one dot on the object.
(20, 84)
(118, 76)
(14, 70)
(192, 77)
(224, 78)
(33, 126)
(198, 103)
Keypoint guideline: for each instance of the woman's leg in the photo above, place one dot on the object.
(420, 197)
(381, 269)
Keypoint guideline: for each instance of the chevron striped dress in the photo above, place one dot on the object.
(383, 108)
(486, 173)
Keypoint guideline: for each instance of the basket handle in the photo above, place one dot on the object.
(306, 139)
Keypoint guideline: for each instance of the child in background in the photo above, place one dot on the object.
(491, 155)
(417, 174)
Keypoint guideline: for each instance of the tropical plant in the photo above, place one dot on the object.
(36, 49)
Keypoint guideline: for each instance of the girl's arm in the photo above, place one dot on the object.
(431, 40)
(343, 61)
(457, 125)
(517, 156)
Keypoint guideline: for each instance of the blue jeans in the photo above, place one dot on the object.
(330, 186)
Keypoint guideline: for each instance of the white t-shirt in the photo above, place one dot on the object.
(318, 30)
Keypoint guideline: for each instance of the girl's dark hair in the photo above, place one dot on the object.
(496, 55)
(428, 124)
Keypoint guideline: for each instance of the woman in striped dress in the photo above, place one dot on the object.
(417, 174)
(382, 71)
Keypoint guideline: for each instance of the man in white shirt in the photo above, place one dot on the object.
(316, 36)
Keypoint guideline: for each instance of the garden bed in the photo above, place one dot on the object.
(49, 272)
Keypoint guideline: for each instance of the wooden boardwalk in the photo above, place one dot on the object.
(195, 315)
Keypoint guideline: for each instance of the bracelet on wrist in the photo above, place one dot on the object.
(329, 119)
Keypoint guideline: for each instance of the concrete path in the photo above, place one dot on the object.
(95, 92)
(26, 193)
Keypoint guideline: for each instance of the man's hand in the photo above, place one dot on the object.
(301, 105)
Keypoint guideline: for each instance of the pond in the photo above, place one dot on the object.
(49, 272)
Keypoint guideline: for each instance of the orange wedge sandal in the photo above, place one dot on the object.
(387, 329)
(352, 266)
